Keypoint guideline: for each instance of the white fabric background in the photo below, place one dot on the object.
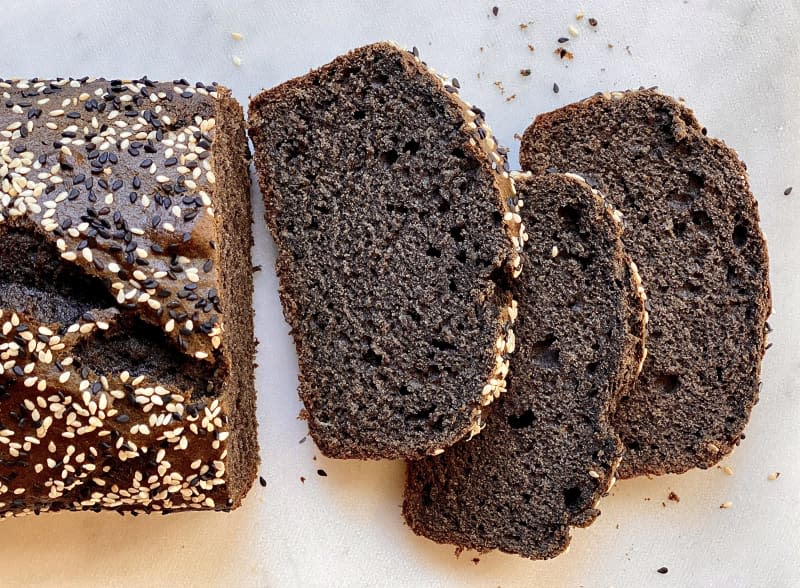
(736, 62)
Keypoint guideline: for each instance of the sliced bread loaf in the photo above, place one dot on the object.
(391, 207)
(548, 452)
(693, 229)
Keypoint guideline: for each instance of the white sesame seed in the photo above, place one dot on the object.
(237, 61)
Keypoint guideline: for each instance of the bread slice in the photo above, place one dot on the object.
(391, 207)
(126, 326)
(692, 226)
(548, 452)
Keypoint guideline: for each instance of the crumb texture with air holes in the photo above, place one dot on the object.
(548, 452)
(125, 329)
(692, 227)
(391, 206)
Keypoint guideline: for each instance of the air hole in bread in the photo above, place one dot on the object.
(389, 157)
(543, 353)
(457, 233)
(373, 358)
(411, 147)
(572, 497)
(443, 345)
(570, 215)
(740, 235)
(667, 383)
(520, 421)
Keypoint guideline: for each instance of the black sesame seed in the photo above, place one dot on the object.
(593, 22)
(322, 473)
(146, 163)
(787, 191)
(495, 10)
(555, 88)
(262, 481)
(662, 570)
(563, 39)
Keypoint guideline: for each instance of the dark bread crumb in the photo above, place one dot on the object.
(389, 216)
(693, 229)
(548, 452)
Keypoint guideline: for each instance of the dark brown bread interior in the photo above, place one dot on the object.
(548, 452)
(388, 217)
(692, 227)
(126, 336)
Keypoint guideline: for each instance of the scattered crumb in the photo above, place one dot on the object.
(237, 61)
(476, 560)
(237, 36)
(525, 72)
(610, 46)
(727, 504)
(662, 570)
(256, 268)
(593, 22)
(495, 10)
(517, 137)
(647, 499)
(322, 473)
(458, 551)
(499, 86)
(628, 50)
(262, 481)
(727, 470)
(673, 497)
(564, 54)
(787, 191)
(511, 98)
(302, 479)
(774, 476)
(482, 49)
(531, 47)
(579, 16)
(555, 88)
(523, 26)
(572, 31)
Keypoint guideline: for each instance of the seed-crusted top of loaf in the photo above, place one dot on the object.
(391, 206)
(692, 227)
(113, 351)
(548, 452)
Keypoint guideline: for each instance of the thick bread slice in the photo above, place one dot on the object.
(548, 452)
(391, 207)
(692, 226)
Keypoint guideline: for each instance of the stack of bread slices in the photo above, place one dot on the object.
(521, 338)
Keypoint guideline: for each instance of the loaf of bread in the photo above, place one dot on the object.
(692, 227)
(126, 337)
(548, 452)
(391, 206)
